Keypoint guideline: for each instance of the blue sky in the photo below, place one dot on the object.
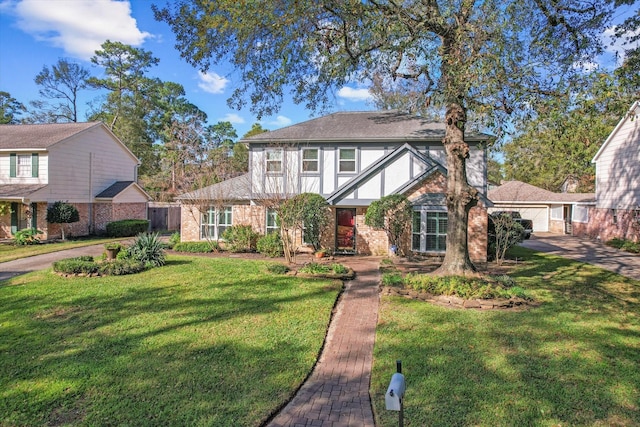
(35, 33)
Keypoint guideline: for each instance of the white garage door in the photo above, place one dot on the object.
(539, 216)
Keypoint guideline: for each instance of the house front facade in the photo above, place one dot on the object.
(83, 164)
(351, 159)
(617, 210)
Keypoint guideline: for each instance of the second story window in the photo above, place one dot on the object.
(274, 160)
(310, 160)
(23, 165)
(347, 161)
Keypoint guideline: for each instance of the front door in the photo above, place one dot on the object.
(345, 230)
(568, 227)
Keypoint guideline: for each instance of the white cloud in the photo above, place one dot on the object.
(355, 95)
(232, 118)
(79, 27)
(212, 82)
(617, 46)
(280, 121)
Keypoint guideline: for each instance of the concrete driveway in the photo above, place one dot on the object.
(586, 250)
(40, 262)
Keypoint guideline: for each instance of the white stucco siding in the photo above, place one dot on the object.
(397, 174)
(618, 169)
(85, 164)
(328, 170)
(371, 188)
(310, 184)
(369, 156)
(476, 168)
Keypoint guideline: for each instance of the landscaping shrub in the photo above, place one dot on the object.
(278, 268)
(339, 269)
(315, 268)
(240, 238)
(148, 249)
(270, 245)
(127, 227)
(77, 265)
(27, 236)
(120, 267)
(625, 245)
(464, 287)
(195, 247)
(392, 279)
(174, 239)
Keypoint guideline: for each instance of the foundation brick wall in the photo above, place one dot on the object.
(601, 225)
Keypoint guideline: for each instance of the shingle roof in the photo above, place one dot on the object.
(232, 189)
(40, 135)
(518, 191)
(363, 125)
(115, 189)
(13, 191)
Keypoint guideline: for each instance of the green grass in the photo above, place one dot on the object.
(572, 361)
(197, 342)
(10, 252)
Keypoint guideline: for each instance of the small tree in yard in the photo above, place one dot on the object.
(504, 233)
(391, 214)
(62, 213)
(308, 211)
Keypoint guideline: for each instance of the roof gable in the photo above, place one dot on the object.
(350, 186)
(360, 126)
(632, 114)
(119, 188)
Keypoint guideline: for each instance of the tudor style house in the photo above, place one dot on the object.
(351, 159)
(84, 164)
(617, 208)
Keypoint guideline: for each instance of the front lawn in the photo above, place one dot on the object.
(572, 361)
(199, 341)
(10, 252)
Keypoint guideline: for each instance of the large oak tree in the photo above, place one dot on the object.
(487, 56)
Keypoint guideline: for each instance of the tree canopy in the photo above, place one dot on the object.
(491, 57)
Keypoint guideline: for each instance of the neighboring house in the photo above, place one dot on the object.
(564, 213)
(352, 159)
(617, 209)
(84, 164)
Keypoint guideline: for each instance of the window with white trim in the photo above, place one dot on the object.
(347, 160)
(557, 213)
(272, 221)
(429, 231)
(274, 160)
(310, 160)
(215, 221)
(580, 213)
(23, 168)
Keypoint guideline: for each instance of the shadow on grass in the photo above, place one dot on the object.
(160, 347)
(571, 361)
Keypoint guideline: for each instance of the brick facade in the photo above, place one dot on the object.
(368, 241)
(604, 226)
(102, 213)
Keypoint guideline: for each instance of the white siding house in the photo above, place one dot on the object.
(71, 162)
(617, 210)
(353, 159)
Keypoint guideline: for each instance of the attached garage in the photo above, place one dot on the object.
(537, 204)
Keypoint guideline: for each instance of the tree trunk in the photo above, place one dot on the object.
(461, 197)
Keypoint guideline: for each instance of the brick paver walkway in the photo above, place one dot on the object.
(337, 392)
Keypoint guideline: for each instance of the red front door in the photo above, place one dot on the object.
(345, 229)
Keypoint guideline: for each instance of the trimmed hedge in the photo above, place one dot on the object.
(127, 227)
(78, 265)
(195, 247)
